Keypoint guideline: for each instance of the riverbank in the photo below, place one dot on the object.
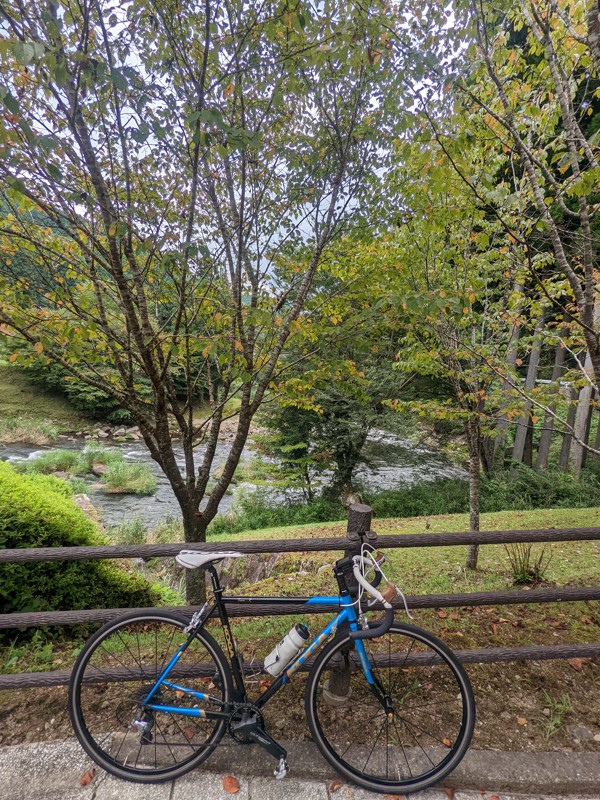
(30, 414)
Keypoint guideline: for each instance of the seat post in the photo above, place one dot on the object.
(216, 583)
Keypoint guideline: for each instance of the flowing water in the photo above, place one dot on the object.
(392, 463)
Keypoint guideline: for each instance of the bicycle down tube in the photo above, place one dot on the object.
(347, 614)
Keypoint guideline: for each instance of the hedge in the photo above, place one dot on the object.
(39, 511)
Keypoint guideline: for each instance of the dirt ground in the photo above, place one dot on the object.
(534, 706)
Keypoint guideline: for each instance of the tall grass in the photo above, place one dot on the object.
(129, 478)
(16, 429)
(75, 462)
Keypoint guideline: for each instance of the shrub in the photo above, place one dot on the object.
(255, 510)
(37, 511)
(528, 563)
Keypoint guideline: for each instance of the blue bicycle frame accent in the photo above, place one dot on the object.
(347, 614)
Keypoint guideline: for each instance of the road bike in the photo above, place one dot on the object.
(389, 706)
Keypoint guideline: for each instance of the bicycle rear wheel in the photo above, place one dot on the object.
(113, 675)
(423, 732)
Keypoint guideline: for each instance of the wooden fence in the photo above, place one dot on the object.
(359, 522)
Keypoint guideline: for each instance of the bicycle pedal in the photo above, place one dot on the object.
(281, 770)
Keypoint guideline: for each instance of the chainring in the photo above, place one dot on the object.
(252, 712)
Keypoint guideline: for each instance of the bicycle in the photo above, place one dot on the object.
(389, 706)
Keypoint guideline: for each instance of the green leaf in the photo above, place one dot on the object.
(11, 103)
(47, 143)
(140, 134)
(119, 81)
(23, 52)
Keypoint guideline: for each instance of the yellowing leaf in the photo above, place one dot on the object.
(239, 346)
(230, 89)
(38, 347)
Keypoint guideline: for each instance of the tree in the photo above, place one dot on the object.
(449, 269)
(183, 154)
(340, 376)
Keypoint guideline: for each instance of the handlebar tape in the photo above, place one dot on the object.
(378, 630)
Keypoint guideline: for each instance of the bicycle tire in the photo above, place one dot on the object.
(341, 705)
(115, 670)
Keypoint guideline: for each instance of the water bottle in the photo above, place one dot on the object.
(284, 652)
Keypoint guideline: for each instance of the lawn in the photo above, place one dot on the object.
(28, 413)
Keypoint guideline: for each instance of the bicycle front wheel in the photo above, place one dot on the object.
(406, 734)
(114, 674)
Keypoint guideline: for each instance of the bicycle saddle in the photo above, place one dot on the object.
(192, 559)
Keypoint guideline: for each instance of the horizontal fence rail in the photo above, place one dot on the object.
(360, 517)
(247, 546)
(36, 619)
(37, 680)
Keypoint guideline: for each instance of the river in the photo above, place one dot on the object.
(393, 463)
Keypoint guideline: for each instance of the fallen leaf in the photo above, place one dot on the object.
(455, 616)
(585, 620)
(495, 629)
(394, 796)
(335, 785)
(576, 663)
(442, 614)
(521, 721)
(447, 742)
(188, 733)
(179, 694)
(494, 797)
(449, 792)
(88, 776)
(231, 784)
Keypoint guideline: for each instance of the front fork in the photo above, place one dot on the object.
(377, 687)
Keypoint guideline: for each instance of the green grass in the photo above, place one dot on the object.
(440, 569)
(121, 477)
(129, 478)
(30, 414)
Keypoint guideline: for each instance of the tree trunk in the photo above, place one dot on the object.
(563, 460)
(548, 424)
(195, 579)
(511, 360)
(525, 419)
(597, 439)
(474, 443)
(582, 422)
(528, 446)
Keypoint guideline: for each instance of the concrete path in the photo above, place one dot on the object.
(53, 771)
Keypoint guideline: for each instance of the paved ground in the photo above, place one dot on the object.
(53, 771)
